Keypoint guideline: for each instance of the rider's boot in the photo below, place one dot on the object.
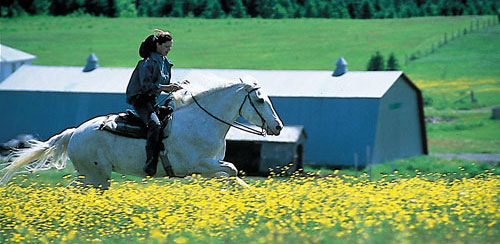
(152, 148)
(164, 111)
(151, 161)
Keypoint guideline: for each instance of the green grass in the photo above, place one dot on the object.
(426, 166)
(231, 43)
(470, 62)
(471, 132)
(432, 167)
(467, 64)
(475, 56)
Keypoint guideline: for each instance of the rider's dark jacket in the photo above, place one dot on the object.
(149, 74)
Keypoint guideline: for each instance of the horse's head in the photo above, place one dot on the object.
(258, 110)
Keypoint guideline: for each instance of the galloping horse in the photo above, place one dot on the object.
(196, 141)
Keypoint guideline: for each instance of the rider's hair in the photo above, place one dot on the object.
(149, 44)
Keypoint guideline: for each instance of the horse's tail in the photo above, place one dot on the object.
(40, 155)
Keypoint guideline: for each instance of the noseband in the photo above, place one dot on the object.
(263, 121)
(237, 124)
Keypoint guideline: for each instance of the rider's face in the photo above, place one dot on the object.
(164, 48)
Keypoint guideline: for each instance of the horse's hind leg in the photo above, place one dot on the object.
(95, 173)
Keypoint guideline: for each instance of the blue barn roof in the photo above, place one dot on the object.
(277, 83)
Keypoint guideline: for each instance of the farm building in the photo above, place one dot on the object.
(11, 59)
(367, 116)
(255, 154)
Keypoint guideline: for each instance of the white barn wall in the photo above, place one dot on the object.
(337, 128)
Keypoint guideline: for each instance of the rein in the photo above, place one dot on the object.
(237, 124)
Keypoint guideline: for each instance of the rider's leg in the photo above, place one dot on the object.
(152, 145)
(145, 110)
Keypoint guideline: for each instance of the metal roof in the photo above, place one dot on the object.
(277, 83)
(289, 134)
(308, 83)
(8, 54)
(67, 79)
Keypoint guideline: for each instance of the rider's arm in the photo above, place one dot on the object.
(146, 79)
(170, 88)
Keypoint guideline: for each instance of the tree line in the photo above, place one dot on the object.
(350, 9)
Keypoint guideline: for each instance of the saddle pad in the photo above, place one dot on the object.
(117, 124)
(126, 124)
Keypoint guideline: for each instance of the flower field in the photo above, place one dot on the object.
(273, 210)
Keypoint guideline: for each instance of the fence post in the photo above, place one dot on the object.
(356, 164)
(472, 98)
(368, 161)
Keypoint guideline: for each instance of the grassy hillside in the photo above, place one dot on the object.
(472, 132)
(230, 43)
(471, 63)
(447, 75)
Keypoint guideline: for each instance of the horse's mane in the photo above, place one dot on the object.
(203, 87)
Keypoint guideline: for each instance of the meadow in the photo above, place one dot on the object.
(417, 200)
(425, 208)
(471, 132)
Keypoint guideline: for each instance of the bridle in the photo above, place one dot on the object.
(237, 124)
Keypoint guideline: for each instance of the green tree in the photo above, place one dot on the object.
(238, 9)
(126, 8)
(177, 10)
(339, 10)
(325, 9)
(15, 10)
(367, 10)
(213, 10)
(40, 7)
(96, 7)
(63, 7)
(289, 7)
(376, 62)
(353, 8)
(267, 8)
(392, 63)
(280, 12)
(112, 9)
(311, 9)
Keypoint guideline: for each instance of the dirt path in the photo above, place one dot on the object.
(484, 109)
(478, 157)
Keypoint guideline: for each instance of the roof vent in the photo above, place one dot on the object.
(91, 63)
(341, 67)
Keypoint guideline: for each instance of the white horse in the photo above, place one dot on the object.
(195, 145)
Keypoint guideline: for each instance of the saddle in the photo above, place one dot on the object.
(129, 124)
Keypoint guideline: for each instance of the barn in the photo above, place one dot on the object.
(351, 117)
(357, 116)
(11, 59)
(255, 155)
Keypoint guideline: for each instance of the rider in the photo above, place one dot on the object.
(151, 76)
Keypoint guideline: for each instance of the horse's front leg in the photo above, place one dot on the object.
(222, 169)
